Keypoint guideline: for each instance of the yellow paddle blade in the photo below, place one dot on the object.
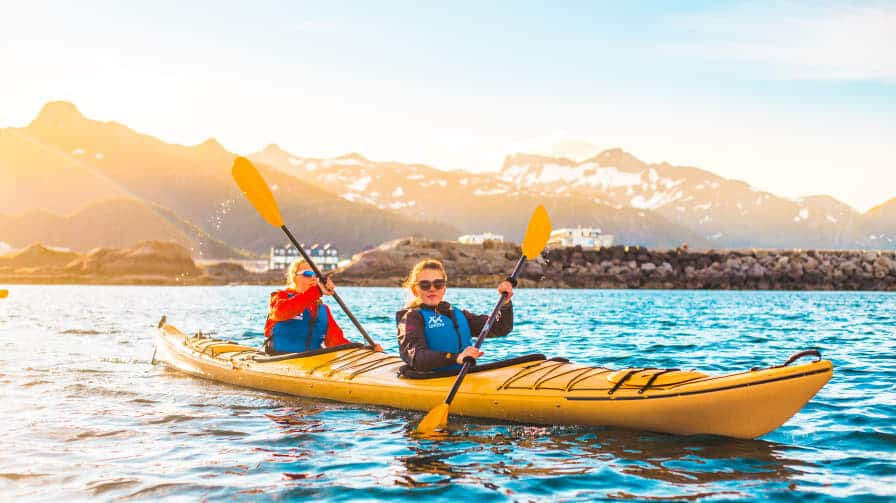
(435, 419)
(256, 191)
(537, 233)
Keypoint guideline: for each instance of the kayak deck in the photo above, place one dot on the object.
(744, 405)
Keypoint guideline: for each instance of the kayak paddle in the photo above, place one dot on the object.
(259, 194)
(537, 235)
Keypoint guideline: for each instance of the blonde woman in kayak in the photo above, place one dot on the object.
(298, 320)
(434, 335)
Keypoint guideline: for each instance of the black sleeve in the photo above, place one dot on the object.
(501, 327)
(412, 345)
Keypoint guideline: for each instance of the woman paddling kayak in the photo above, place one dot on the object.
(434, 335)
(298, 320)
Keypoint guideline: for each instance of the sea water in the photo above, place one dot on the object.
(85, 413)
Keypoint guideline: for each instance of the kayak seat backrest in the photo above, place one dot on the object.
(216, 350)
(409, 373)
(278, 356)
(214, 347)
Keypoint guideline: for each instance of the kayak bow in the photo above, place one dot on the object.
(529, 389)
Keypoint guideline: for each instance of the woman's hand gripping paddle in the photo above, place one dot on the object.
(259, 194)
(537, 235)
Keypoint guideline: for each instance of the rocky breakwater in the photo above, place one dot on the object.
(629, 267)
(635, 267)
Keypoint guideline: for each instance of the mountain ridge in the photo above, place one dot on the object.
(716, 211)
(63, 161)
(193, 182)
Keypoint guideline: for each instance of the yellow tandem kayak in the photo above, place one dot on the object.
(529, 389)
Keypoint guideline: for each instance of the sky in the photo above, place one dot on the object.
(794, 98)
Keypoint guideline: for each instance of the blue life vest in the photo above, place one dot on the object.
(298, 335)
(442, 334)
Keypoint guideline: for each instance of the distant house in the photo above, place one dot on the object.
(586, 237)
(478, 239)
(326, 257)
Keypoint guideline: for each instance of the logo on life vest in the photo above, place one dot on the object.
(435, 321)
(299, 317)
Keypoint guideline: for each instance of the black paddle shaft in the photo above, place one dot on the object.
(468, 362)
(321, 278)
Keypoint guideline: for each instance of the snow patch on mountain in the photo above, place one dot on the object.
(361, 184)
(658, 199)
(489, 192)
(358, 198)
(668, 183)
(612, 177)
(557, 173)
(344, 161)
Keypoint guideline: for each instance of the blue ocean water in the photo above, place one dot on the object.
(86, 415)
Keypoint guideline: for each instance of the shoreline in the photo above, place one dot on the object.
(483, 266)
(9, 287)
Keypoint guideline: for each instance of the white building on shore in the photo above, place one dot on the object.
(586, 237)
(478, 239)
(326, 257)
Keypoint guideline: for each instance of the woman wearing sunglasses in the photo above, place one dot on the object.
(434, 335)
(298, 320)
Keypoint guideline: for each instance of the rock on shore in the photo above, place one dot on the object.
(467, 265)
(632, 267)
(167, 263)
(148, 262)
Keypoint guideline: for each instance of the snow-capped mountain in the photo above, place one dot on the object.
(729, 212)
(640, 203)
(472, 202)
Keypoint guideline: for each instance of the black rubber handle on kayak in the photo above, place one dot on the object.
(801, 354)
(323, 281)
(469, 362)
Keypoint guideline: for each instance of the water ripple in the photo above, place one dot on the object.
(87, 416)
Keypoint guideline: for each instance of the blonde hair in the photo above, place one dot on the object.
(411, 281)
(291, 273)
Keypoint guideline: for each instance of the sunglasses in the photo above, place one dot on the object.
(426, 284)
(308, 273)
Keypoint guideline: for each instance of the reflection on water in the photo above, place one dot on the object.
(86, 415)
(494, 456)
(525, 451)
